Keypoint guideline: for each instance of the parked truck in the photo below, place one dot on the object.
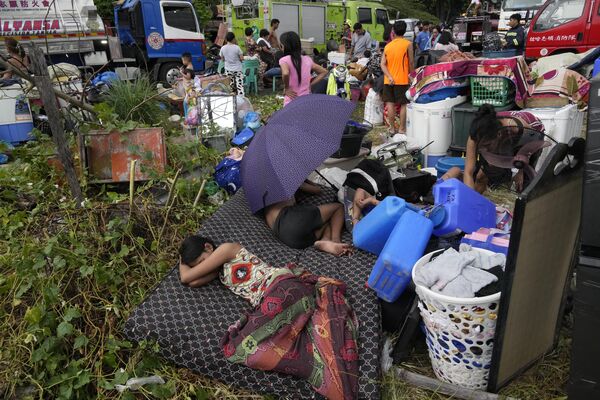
(526, 8)
(563, 26)
(319, 20)
(157, 32)
(67, 30)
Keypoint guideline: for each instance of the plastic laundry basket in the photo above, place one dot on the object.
(460, 333)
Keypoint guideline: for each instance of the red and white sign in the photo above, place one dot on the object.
(17, 5)
(28, 26)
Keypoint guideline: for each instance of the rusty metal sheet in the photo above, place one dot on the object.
(108, 155)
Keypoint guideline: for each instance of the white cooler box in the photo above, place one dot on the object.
(561, 124)
(432, 122)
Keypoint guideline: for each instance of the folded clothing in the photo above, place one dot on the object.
(466, 273)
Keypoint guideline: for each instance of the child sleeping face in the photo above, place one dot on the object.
(195, 249)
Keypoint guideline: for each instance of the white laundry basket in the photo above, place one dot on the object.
(460, 333)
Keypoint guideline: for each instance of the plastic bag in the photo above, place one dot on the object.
(227, 175)
(136, 383)
(193, 117)
(373, 108)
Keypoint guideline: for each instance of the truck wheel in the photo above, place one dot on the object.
(169, 73)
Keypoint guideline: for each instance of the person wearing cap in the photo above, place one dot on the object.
(515, 37)
(361, 41)
(347, 34)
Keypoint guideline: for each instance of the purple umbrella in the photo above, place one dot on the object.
(295, 141)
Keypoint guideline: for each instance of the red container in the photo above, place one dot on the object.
(107, 155)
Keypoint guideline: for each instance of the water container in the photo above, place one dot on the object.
(446, 163)
(465, 209)
(560, 123)
(371, 232)
(432, 122)
(404, 247)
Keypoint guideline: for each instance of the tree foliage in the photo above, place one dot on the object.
(431, 10)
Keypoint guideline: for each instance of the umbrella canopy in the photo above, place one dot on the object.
(296, 140)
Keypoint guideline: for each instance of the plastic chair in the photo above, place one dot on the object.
(275, 82)
(250, 70)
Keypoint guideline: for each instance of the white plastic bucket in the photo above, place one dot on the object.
(460, 332)
(561, 124)
(432, 122)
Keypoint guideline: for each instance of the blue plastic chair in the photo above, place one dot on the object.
(250, 70)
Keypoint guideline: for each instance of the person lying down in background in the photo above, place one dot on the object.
(301, 324)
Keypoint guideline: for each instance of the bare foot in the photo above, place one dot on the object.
(337, 249)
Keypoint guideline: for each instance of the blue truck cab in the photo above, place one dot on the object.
(157, 32)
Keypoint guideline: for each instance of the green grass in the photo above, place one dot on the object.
(70, 277)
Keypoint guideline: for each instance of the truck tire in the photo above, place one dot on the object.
(169, 72)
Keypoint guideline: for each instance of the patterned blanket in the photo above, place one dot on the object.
(303, 327)
(514, 69)
(561, 83)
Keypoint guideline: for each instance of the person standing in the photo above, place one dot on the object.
(296, 69)
(347, 35)
(232, 56)
(515, 37)
(476, 4)
(435, 36)
(273, 39)
(361, 41)
(397, 64)
(422, 39)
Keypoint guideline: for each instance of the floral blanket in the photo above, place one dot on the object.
(303, 327)
(563, 82)
(513, 68)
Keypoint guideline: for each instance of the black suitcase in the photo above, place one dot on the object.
(414, 185)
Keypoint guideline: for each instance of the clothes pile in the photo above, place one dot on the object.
(466, 273)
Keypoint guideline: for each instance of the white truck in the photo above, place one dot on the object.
(67, 30)
(527, 9)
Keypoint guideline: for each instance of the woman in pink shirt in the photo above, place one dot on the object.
(296, 69)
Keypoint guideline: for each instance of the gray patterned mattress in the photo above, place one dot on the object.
(189, 323)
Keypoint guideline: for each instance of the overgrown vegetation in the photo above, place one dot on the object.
(135, 101)
(70, 275)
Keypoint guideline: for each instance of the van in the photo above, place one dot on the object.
(564, 26)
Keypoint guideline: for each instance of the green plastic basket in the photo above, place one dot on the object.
(494, 90)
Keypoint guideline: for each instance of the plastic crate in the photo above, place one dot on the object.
(494, 90)
(462, 118)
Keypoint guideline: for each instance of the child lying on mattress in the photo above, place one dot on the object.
(286, 332)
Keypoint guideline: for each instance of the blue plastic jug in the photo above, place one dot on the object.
(465, 209)
(371, 232)
(406, 244)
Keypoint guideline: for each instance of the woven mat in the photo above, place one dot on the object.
(189, 323)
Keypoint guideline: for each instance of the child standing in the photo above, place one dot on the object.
(232, 56)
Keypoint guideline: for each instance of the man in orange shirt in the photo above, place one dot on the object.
(397, 64)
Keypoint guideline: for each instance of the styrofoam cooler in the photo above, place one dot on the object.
(16, 122)
(561, 123)
(432, 122)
